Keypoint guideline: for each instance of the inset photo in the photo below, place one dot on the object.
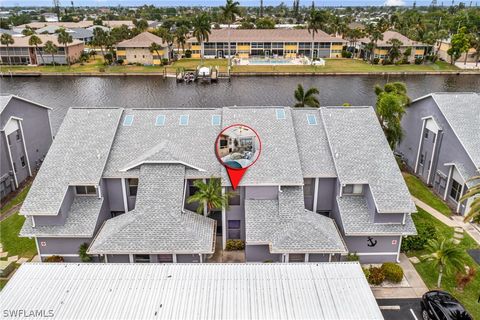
(238, 146)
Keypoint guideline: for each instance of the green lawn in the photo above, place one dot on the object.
(420, 191)
(18, 199)
(9, 229)
(429, 274)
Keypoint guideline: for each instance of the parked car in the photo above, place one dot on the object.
(441, 305)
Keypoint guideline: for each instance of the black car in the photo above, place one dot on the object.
(440, 305)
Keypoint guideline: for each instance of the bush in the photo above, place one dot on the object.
(82, 252)
(418, 60)
(54, 259)
(102, 69)
(392, 271)
(164, 61)
(346, 54)
(376, 61)
(120, 61)
(366, 272)
(376, 276)
(386, 61)
(235, 245)
(425, 232)
(353, 257)
(188, 53)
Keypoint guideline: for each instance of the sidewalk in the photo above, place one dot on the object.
(416, 289)
(454, 221)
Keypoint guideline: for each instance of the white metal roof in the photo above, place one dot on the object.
(192, 291)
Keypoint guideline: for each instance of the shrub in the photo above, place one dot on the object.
(235, 245)
(188, 53)
(376, 276)
(392, 271)
(376, 61)
(54, 259)
(120, 61)
(418, 60)
(366, 272)
(464, 279)
(82, 252)
(353, 257)
(164, 61)
(425, 232)
(346, 54)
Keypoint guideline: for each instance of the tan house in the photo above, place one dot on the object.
(137, 49)
(286, 43)
(20, 52)
(382, 48)
(443, 46)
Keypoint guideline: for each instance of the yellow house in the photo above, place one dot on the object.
(137, 49)
(443, 45)
(286, 43)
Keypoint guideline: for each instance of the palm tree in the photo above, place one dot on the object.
(209, 195)
(35, 41)
(65, 38)
(52, 49)
(444, 255)
(7, 39)
(28, 31)
(308, 98)
(181, 37)
(229, 11)
(201, 29)
(375, 34)
(474, 194)
(314, 23)
(168, 38)
(155, 47)
(394, 51)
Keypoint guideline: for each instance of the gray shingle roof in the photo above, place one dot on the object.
(76, 157)
(80, 222)
(286, 226)
(157, 224)
(358, 220)
(80, 33)
(462, 111)
(362, 155)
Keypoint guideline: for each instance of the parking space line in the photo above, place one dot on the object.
(413, 314)
(389, 307)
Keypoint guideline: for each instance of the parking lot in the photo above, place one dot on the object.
(400, 309)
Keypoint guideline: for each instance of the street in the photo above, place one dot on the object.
(400, 309)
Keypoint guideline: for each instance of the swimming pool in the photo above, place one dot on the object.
(270, 61)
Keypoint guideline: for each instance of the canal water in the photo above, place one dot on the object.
(60, 93)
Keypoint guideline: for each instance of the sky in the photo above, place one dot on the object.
(218, 2)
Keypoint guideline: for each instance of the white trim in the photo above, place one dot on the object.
(224, 224)
(11, 161)
(99, 192)
(36, 245)
(450, 172)
(184, 194)
(33, 221)
(201, 257)
(399, 247)
(50, 126)
(124, 194)
(174, 257)
(26, 100)
(461, 194)
(315, 196)
(376, 253)
(432, 158)
(130, 258)
(307, 257)
(329, 257)
(106, 258)
(420, 145)
(205, 207)
(25, 148)
(161, 162)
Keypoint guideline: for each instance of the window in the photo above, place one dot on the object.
(216, 119)
(184, 120)
(160, 120)
(353, 189)
(22, 160)
(296, 257)
(426, 134)
(14, 167)
(234, 229)
(114, 214)
(235, 199)
(280, 114)
(132, 187)
(85, 190)
(142, 258)
(311, 119)
(18, 135)
(307, 187)
(165, 258)
(422, 159)
(456, 190)
(191, 188)
(128, 120)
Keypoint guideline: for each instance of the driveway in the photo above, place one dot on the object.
(400, 309)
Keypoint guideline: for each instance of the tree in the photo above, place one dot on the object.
(35, 41)
(265, 23)
(51, 48)
(7, 40)
(65, 38)
(353, 35)
(103, 40)
(390, 108)
(444, 255)
(229, 13)
(314, 24)
(155, 47)
(82, 253)
(475, 42)
(308, 98)
(375, 33)
(201, 29)
(394, 52)
(167, 37)
(473, 194)
(209, 195)
(118, 33)
(181, 37)
(28, 31)
(460, 43)
(141, 25)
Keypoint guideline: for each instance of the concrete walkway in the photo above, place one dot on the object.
(454, 221)
(416, 289)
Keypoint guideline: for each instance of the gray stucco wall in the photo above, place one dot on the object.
(188, 258)
(118, 258)
(261, 193)
(114, 193)
(260, 253)
(386, 248)
(237, 212)
(59, 246)
(326, 194)
(63, 213)
(318, 258)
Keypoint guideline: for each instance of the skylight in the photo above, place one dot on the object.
(311, 119)
(184, 120)
(160, 121)
(216, 120)
(280, 114)
(128, 120)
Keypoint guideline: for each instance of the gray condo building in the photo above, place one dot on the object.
(25, 136)
(442, 143)
(325, 184)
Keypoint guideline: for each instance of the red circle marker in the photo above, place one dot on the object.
(237, 148)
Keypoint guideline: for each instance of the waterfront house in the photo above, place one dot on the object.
(326, 183)
(442, 47)
(21, 52)
(25, 136)
(286, 43)
(442, 143)
(382, 49)
(137, 49)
